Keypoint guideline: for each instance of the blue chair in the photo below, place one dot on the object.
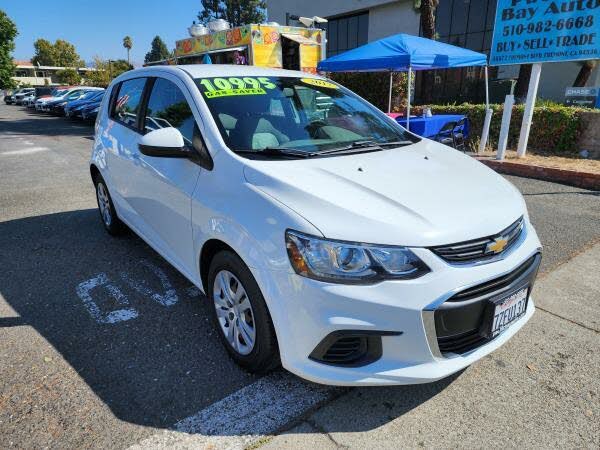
(459, 135)
(445, 135)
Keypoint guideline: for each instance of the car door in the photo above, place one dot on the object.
(163, 187)
(119, 139)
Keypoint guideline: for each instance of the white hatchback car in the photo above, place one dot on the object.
(326, 236)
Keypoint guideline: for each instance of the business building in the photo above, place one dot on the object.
(465, 23)
(27, 73)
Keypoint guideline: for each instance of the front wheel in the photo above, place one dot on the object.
(241, 315)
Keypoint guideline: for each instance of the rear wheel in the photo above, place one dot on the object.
(108, 214)
(241, 315)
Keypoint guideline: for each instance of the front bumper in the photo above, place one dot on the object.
(305, 312)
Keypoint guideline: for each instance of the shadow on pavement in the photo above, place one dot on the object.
(41, 124)
(153, 369)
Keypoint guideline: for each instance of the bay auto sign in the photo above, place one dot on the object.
(531, 31)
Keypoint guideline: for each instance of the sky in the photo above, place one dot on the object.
(97, 28)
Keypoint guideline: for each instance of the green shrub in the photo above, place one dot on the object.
(555, 128)
(374, 86)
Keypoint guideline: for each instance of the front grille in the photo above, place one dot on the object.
(495, 286)
(461, 343)
(478, 249)
(461, 322)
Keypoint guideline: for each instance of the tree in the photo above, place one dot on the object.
(119, 66)
(158, 51)
(101, 76)
(68, 76)
(66, 55)
(43, 53)
(61, 54)
(584, 73)
(427, 17)
(236, 12)
(8, 32)
(427, 9)
(127, 43)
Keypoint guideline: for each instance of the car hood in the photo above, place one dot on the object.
(421, 195)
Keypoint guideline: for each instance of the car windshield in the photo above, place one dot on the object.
(89, 95)
(73, 95)
(303, 116)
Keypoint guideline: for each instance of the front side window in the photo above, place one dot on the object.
(127, 101)
(296, 114)
(167, 107)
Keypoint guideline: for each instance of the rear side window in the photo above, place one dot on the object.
(127, 102)
(167, 107)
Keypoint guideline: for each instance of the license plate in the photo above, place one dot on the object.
(509, 310)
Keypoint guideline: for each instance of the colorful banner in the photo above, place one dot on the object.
(266, 46)
(219, 40)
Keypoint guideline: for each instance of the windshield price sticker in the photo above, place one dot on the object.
(229, 92)
(531, 31)
(224, 87)
(319, 83)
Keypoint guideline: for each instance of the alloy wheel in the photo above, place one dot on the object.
(234, 312)
(104, 204)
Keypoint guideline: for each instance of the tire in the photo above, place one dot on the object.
(263, 355)
(108, 214)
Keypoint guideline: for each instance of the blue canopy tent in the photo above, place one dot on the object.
(406, 53)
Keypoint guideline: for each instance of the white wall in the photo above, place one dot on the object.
(309, 8)
(393, 18)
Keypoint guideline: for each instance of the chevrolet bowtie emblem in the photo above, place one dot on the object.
(497, 246)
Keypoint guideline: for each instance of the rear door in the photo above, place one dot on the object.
(161, 194)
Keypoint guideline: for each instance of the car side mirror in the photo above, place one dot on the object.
(164, 142)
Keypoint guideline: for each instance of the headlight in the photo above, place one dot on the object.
(348, 262)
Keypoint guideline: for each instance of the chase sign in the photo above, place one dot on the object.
(534, 31)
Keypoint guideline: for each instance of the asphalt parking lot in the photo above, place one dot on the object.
(103, 344)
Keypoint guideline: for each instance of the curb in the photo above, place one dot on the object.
(584, 180)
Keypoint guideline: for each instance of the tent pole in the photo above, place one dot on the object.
(487, 90)
(390, 93)
(408, 99)
(488, 116)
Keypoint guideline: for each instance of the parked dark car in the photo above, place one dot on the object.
(41, 91)
(8, 96)
(89, 97)
(58, 106)
(90, 111)
(12, 98)
(18, 97)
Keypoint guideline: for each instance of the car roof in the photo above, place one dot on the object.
(217, 70)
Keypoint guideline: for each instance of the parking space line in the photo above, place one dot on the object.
(25, 151)
(245, 416)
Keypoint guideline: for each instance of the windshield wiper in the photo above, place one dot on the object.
(396, 143)
(354, 147)
(277, 151)
(364, 146)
